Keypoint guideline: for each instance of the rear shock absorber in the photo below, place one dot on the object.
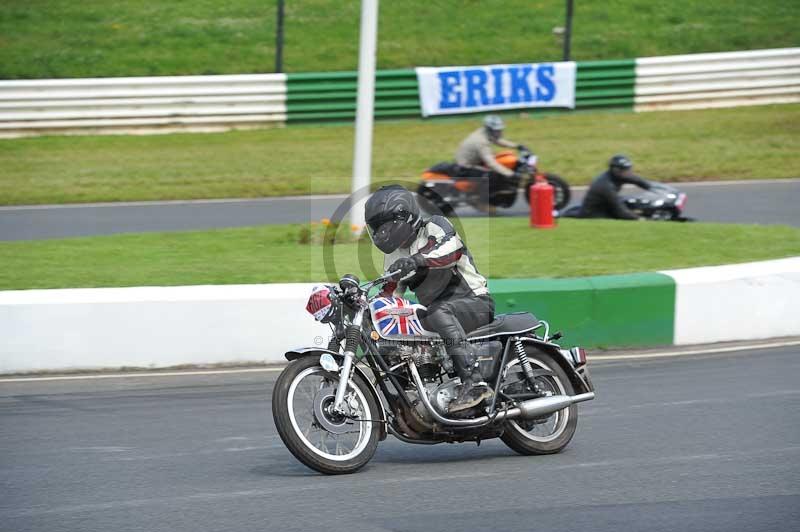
(527, 368)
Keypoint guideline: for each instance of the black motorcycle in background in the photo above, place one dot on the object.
(662, 202)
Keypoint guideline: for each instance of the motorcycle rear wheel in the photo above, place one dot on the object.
(435, 201)
(301, 395)
(551, 434)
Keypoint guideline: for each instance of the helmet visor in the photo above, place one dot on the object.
(390, 233)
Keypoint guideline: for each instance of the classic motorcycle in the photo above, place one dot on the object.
(446, 186)
(662, 203)
(383, 373)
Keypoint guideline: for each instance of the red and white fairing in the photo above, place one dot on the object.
(394, 317)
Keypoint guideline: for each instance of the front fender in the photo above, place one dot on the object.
(302, 352)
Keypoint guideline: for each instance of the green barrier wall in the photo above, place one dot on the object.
(331, 96)
(613, 310)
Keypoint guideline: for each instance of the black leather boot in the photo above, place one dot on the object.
(473, 389)
(472, 392)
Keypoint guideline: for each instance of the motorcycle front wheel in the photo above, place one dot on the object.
(317, 436)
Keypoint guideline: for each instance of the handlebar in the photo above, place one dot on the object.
(382, 279)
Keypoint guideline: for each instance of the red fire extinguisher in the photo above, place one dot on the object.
(541, 196)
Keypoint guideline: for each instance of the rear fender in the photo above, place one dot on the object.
(319, 351)
(578, 376)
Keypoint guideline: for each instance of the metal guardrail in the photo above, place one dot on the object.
(331, 96)
(222, 102)
(727, 79)
(141, 104)
(605, 83)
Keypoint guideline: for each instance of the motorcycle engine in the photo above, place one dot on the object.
(439, 395)
(430, 360)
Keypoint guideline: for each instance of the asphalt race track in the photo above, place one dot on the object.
(767, 202)
(706, 443)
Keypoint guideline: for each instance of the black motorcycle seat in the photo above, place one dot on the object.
(447, 168)
(516, 322)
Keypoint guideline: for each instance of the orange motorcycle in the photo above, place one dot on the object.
(448, 186)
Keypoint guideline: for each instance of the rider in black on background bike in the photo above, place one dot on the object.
(434, 263)
(602, 199)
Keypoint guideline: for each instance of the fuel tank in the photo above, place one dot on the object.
(395, 318)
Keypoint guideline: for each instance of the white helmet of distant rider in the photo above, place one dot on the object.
(494, 126)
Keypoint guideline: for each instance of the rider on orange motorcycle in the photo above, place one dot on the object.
(475, 154)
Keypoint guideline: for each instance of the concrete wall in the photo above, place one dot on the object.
(162, 327)
(737, 302)
(153, 327)
(608, 310)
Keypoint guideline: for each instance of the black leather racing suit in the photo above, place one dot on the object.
(602, 199)
(449, 285)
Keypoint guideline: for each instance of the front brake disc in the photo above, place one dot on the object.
(328, 419)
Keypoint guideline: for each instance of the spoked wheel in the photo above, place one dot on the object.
(561, 191)
(324, 440)
(547, 435)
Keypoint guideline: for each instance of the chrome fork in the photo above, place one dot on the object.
(351, 345)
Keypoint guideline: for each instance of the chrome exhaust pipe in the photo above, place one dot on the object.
(543, 406)
(530, 409)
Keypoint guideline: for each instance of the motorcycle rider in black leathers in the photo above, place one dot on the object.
(602, 199)
(433, 262)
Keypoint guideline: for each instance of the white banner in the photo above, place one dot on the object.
(457, 90)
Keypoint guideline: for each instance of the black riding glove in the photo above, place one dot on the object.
(407, 266)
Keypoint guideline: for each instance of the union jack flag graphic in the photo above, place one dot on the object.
(394, 315)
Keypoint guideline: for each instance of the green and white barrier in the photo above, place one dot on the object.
(169, 326)
(108, 105)
(693, 81)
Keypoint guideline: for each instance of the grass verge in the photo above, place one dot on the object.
(502, 248)
(59, 38)
(739, 143)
